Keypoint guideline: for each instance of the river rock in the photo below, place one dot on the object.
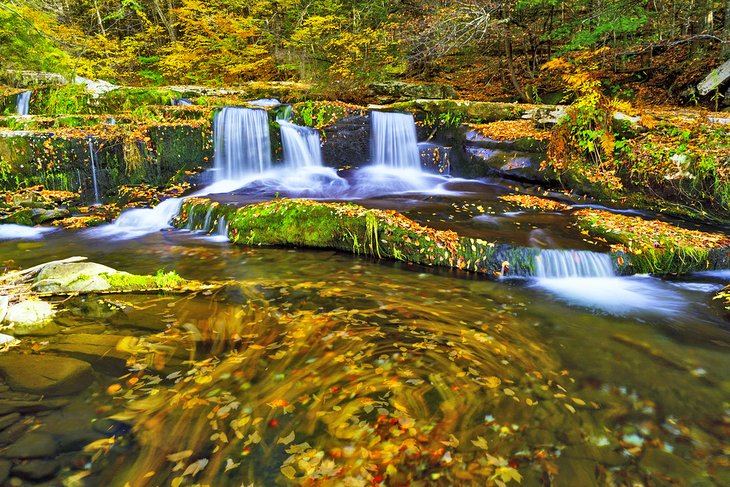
(5, 338)
(573, 472)
(49, 375)
(72, 277)
(48, 328)
(100, 350)
(41, 215)
(9, 406)
(8, 420)
(347, 141)
(32, 445)
(20, 217)
(659, 461)
(4, 470)
(36, 469)
(29, 313)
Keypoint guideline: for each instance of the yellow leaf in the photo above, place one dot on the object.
(288, 471)
(285, 440)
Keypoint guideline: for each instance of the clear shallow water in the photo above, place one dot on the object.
(339, 350)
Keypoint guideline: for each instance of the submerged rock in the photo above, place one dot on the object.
(32, 445)
(49, 375)
(29, 313)
(41, 215)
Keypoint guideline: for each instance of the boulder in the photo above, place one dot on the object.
(72, 277)
(398, 90)
(99, 350)
(20, 217)
(715, 79)
(347, 142)
(41, 215)
(545, 116)
(36, 469)
(49, 375)
(32, 445)
(29, 313)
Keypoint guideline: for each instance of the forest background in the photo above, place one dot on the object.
(645, 51)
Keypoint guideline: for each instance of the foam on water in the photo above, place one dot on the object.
(11, 231)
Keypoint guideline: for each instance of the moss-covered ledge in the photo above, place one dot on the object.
(352, 228)
(387, 234)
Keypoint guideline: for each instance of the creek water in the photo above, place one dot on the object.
(312, 355)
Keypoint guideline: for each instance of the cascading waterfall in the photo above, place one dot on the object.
(560, 264)
(284, 112)
(302, 146)
(242, 144)
(92, 158)
(393, 141)
(23, 103)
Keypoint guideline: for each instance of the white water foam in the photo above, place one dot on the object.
(11, 231)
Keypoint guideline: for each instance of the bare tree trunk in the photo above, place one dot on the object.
(168, 25)
(726, 45)
(511, 66)
(98, 17)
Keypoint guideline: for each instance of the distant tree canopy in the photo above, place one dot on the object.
(326, 41)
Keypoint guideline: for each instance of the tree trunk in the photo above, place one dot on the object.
(511, 66)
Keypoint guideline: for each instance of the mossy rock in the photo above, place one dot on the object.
(352, 228)
(469, 111)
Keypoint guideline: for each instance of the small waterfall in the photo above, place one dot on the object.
(23, 103)
(573, 263)
(92, 158)
(393, 141)
(241, 140)
(284, 112)
(181, 102)
(264, 102)
(222, 227)
(302, 146)
(141, 221)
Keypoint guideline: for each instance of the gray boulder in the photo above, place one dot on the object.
(29, 313)
(72, 277)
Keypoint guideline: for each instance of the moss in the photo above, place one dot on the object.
(656, 247)
(133, 282)
(352, 228)
(468, 111)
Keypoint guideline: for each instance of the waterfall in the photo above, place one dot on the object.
(264, 102)
(241, 140)
(284, 112)
(23, 103)
(92, 158)
(393, 141)
(573, 263)
(301, 145)
(181, 102)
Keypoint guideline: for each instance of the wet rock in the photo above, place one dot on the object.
(20, 217)
(72, 427)
(4, 470)
(36, 469)
(602, 455)
(41, 215)
(12, 433)
(32, 445)
(41, 329)
(45, 374)
(546, 116)
(9, 406)
(29, 313)
(347, 141)
(72, 277)
(5, 339)
(659, 461)
(8, 420)
(99, 350)
(573, 472)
